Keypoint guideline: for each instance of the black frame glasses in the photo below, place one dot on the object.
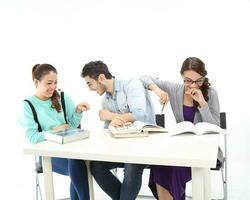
(198, 82)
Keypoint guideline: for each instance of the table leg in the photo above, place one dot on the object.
(197, 183)
(201, 183)
(90, 180)
(207, 183)
(48, 178)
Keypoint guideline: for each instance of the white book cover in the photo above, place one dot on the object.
(66, 135)
(198, 129)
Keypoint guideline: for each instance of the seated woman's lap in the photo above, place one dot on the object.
(60, 166)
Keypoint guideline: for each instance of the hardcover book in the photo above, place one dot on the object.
(66, 135)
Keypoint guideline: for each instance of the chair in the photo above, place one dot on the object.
(223, 165)
(39, 170)
(222, 158)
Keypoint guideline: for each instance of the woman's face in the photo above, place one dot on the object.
(192, 79)
(47, 85)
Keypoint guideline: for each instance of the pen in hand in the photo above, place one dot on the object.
(162, 108)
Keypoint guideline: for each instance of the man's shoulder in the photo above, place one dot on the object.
(131, 82)
(127, 80)
(124, 84)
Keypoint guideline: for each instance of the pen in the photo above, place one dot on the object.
(162, 108)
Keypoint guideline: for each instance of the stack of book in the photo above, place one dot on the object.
(66, 135)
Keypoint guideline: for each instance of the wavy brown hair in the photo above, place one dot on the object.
(40, 70)
(195, 64)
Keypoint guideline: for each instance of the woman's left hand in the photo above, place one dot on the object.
(197, 95)
(83, 106)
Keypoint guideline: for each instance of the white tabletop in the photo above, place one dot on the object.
(159, 149)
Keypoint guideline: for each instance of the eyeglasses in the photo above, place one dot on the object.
(198, 82)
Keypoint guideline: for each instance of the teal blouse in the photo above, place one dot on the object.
(48, 117)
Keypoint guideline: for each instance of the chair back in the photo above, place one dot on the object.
(222, 154)
(223, 122)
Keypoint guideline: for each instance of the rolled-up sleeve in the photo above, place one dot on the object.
(136, 98)
(146, 80)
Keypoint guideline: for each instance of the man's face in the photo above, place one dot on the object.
(95, 85)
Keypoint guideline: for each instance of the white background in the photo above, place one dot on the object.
(132, 37)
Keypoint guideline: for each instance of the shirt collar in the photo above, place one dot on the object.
(117, 87)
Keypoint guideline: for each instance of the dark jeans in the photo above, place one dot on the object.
(77, 170)
(128, 189)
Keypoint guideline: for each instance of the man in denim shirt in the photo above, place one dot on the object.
(124, 101)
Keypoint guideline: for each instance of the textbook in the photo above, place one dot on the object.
(136, 129)
(199, 129)
(66, 135)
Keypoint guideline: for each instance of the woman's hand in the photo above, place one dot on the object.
(61, 127)
(83, 106)
(163, 96)
(197, 95)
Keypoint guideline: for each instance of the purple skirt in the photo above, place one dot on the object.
(171, 178)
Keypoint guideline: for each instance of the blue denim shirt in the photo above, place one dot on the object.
(130, 96)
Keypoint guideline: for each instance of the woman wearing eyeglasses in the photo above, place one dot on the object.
(195, 101)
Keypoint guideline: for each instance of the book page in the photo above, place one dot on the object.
(182, 127)
(128, 128)
(204, 128)
(143, 125)
(137, 127)
(139, 124)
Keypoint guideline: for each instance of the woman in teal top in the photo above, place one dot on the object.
(46, 102)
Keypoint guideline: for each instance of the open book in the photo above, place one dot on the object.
(66, 135)
(198, 129)
(135, 129)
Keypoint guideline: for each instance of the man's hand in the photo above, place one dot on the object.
(105, 114)
(117, 122)
(83, 106)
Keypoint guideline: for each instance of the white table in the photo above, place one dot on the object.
(197, 152)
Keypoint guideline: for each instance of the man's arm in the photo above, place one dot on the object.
(137, 100)
(137, 103)
(106, 115)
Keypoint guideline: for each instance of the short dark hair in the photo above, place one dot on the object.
(94, 68)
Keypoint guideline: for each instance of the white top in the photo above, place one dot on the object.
(158, 149)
